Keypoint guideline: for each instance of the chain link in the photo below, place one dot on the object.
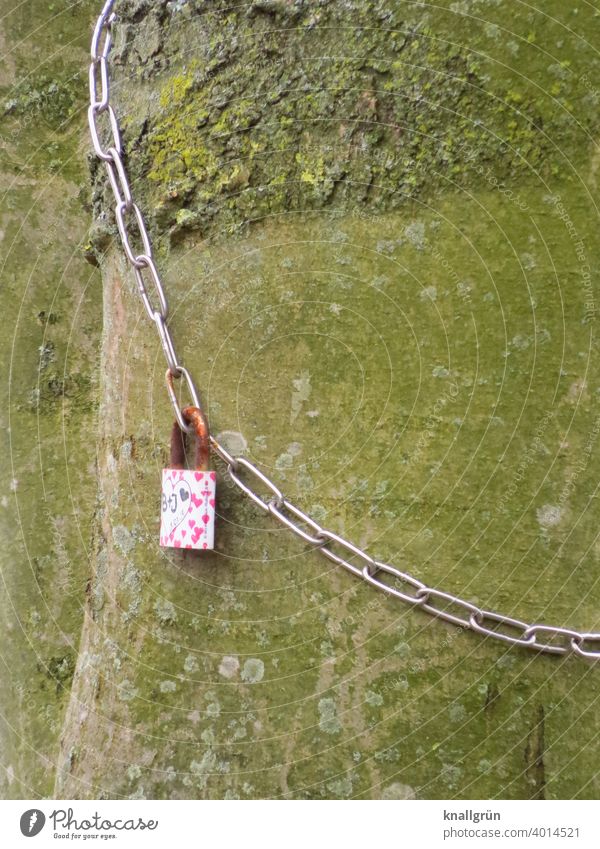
(403, 577)
(278, 512)
(233, 470)
(429, 599)
(118, 179)
(168, 346)
(146, 262)
(183, 372)
(127, 212)
(554, 640)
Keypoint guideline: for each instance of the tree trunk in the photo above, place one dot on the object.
(377, 232)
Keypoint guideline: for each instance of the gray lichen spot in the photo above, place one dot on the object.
(233, 441)
(139, 794)
(231, 795)
(415, 233)
(457, 712)
(304, 480)
(133, 772)
(126, 691)
(165, 610)
(428, 293)
(521, 342)
(253, 670)
(549, 515)
(96, 597)
(400, 684)
(492, 30)
(130, 579)
(126, 450)
(200, 770)
(190, 664)
(451, 775)
(402, 648)
(528, 261)
(326, 648)
(123, 539)
(398, 791)
(374, 699)
(229, 666)
(342, 788)
(208, 736)
(328, 718)
(318, 512)
(284, 461)
(300, 394)
(213, 710)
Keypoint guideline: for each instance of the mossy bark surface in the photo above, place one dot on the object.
(377, 227)
(49, 357)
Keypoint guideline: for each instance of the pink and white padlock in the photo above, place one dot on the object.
(187, 518)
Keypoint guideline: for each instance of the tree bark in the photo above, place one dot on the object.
(377, 231)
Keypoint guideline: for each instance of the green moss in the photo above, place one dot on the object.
(397, 353)
(407, 318)
(385, 120)
(176, 92)
(52, 97)
(60, 669)
(51, 312)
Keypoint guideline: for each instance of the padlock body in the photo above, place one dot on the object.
(187, 514)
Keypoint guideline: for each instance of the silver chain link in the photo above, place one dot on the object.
(381, 575)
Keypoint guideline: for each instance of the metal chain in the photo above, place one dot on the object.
(451, 608)
(134, 234)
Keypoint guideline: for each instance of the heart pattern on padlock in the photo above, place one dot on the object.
(187, 518)
(176, 503)
(187, 509)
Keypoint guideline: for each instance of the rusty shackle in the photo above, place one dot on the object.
(195, 417)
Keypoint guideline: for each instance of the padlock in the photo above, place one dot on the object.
(187, 518)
